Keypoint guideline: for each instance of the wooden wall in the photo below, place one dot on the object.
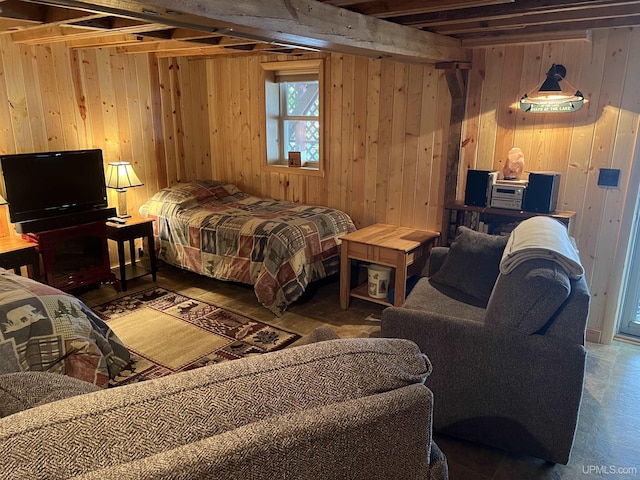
(386, 130)
(180, 119)
(603, 134)
(385, 123)
(52, 98)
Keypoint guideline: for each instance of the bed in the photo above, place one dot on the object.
(214, 229)
(43, 329)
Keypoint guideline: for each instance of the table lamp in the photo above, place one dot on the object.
(120, 176)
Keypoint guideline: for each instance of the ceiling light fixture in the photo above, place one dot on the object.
(554, 94)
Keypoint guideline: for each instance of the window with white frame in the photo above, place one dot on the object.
(293, 107)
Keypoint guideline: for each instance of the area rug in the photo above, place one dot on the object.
(167, 332)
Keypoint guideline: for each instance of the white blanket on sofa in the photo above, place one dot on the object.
(542, 237)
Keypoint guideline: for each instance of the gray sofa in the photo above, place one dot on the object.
(507, 349)
(335, 409)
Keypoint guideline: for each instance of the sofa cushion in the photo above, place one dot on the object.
(473, 263)
(173, 411)
(330, 442)
(23, 390)
(527, 298)
(443, 300)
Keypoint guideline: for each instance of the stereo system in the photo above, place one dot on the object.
(539, 194)
(507, 196)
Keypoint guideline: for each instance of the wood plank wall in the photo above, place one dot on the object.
(603, 134)
(52, 98)
(385, 136)
(385, 122)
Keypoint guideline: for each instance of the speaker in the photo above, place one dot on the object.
(542, 192)
(478, 189)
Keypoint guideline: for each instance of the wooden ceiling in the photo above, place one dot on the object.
(429, 31)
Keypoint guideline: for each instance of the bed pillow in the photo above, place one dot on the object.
(473, 263)
(182, 196)
(218, 190)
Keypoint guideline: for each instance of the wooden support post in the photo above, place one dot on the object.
(456, 74)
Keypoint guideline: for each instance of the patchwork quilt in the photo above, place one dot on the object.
(215, 229)
(44, 329)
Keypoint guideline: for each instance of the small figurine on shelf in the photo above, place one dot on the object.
(514, 166)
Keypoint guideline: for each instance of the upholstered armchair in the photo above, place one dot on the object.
(508, 349)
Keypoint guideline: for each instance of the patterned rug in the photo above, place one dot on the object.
(167, 333)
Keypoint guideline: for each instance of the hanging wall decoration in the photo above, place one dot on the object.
(554, 94)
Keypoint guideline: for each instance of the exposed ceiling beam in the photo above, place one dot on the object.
(178, 45)
(389, 8)
(103, 42)
(152, 41)
(23, 11)
(528, 38)
(305, 23)
(51, 33)
(518, 9)
(38, 14)
(187, 34)
(563, 20)
(545, 33)
(263, 48)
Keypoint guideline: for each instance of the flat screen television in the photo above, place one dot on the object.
(53, 184)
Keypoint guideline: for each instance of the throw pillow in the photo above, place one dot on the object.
(473, 263)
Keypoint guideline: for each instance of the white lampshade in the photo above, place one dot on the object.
(120, 175)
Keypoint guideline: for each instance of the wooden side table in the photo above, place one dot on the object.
(390, 245)
(16, 252)
(135, 227)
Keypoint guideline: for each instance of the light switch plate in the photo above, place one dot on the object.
(608, 177)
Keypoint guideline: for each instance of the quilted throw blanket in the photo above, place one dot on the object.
(279, 247)
(44, 329)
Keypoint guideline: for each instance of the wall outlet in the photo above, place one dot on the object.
(609, 177)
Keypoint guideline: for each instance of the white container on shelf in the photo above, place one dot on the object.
(378, 276)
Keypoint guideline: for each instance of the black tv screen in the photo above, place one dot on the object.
(49, 184)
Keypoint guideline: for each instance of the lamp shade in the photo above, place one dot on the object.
(2, 200)
(554, 94)
(120, 175)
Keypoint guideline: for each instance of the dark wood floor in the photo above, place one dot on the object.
(607, 440)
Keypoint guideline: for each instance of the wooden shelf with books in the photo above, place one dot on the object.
(495, 221)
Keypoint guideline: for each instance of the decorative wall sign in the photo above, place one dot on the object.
(530, 106)
(551, 96)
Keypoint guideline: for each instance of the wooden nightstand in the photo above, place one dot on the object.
(136, 227)
(16, 252)
(389, 245)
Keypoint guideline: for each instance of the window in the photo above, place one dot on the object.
(293, 108)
